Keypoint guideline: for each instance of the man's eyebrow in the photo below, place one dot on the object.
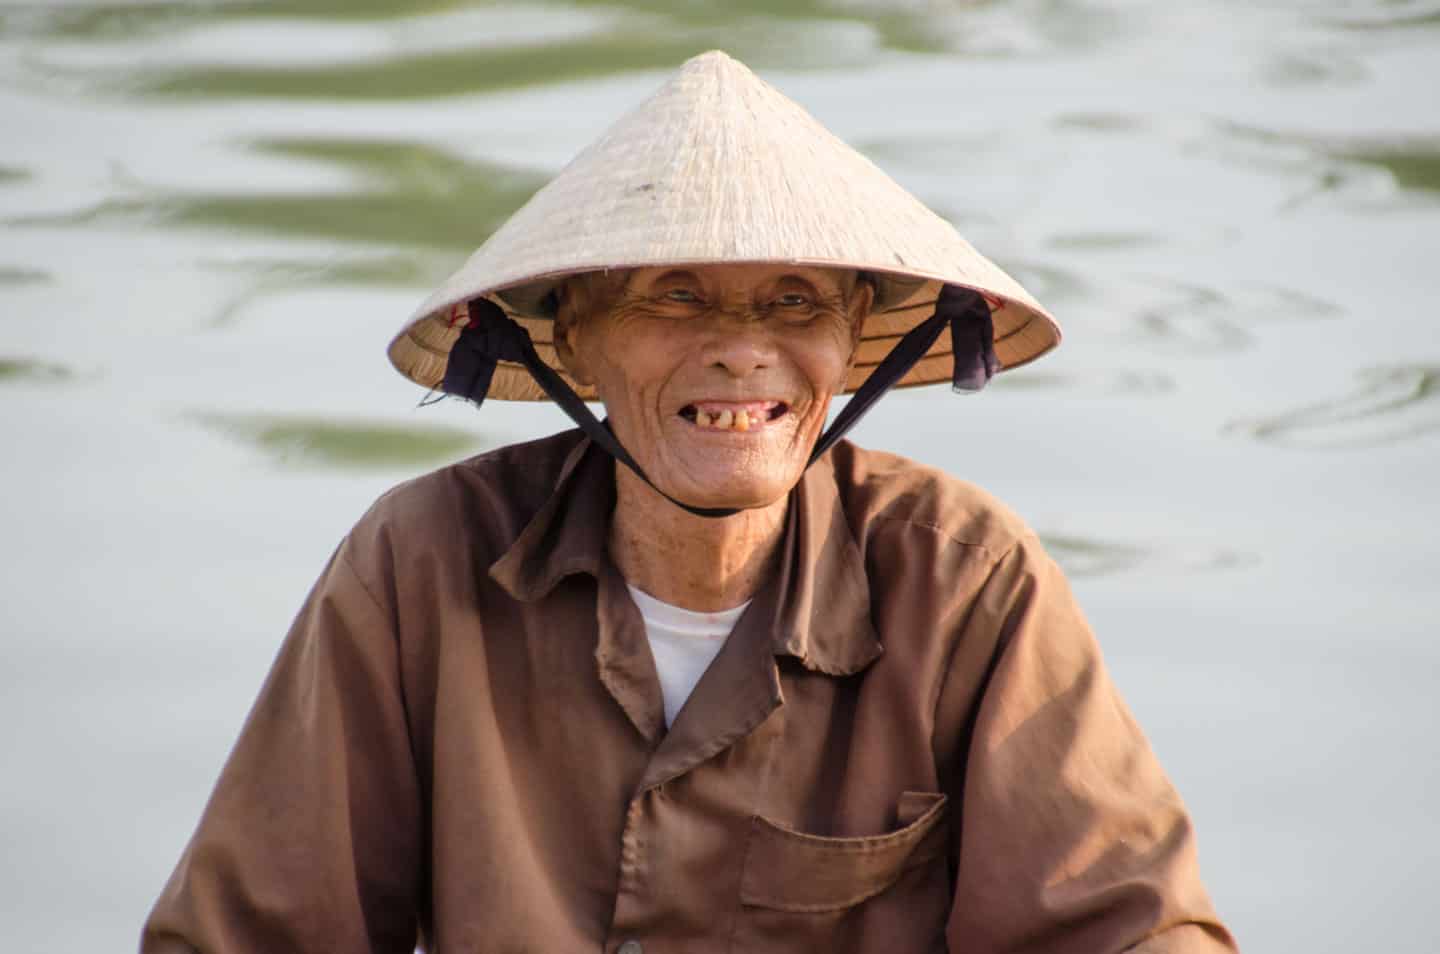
(816, 284)
(676, 274)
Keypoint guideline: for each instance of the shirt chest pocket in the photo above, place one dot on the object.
(887, 892)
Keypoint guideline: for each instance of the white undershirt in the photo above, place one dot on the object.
(684, 643)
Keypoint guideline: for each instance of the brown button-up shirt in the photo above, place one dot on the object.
(908, 744)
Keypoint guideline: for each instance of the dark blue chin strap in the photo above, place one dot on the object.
(492, 337)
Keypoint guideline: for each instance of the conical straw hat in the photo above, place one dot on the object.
(720, 167)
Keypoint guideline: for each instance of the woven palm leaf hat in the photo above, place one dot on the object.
(719, 167)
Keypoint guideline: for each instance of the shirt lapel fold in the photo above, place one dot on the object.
(816, 608)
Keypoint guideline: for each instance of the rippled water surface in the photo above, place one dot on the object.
(215, 213)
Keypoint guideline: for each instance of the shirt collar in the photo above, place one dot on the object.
(819, 596)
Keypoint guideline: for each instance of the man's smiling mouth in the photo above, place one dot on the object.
(733, 415)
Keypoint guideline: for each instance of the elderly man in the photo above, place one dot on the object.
(702, 677)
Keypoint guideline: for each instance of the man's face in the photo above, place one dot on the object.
(718, 378)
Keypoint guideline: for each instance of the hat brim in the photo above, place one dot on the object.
(1023, 331)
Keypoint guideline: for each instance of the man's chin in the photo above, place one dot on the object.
(734, 494)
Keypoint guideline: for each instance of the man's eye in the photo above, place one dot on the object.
(792, 300)
(682, 295)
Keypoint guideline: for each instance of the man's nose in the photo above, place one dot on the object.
(739, 345)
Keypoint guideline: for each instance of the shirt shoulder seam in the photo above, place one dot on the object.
(364, 587)
(997, 554)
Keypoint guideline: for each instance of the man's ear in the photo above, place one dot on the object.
(568, 319)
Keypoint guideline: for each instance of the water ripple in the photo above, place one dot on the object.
(15, 275)
(911, 25)
(1121, 382)
(270, 277)
(1100, 122)
(1388, 15)
(411, 195)
(127, 21)
(1322, 67)
(1105, 241)
(1414, 165)
(349, 445)
(425, 75)
(1048, 282)
(1390, 404)
(393, 50)
(1198, 319)
(32, 369)
(1337, 165)
(1091, 556)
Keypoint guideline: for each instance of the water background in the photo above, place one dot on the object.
(214, 215)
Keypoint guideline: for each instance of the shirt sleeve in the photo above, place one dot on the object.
(1069, 837)
(312, 839)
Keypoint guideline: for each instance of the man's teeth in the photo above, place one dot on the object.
(728, 420)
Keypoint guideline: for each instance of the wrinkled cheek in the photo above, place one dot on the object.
(639, 435)
(777, 471)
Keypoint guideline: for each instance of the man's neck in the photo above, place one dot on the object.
(705, 564)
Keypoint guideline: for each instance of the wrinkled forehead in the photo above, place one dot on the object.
(740, 276)
(601, 288)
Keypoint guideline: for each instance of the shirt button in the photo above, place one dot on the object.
(631, 947)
